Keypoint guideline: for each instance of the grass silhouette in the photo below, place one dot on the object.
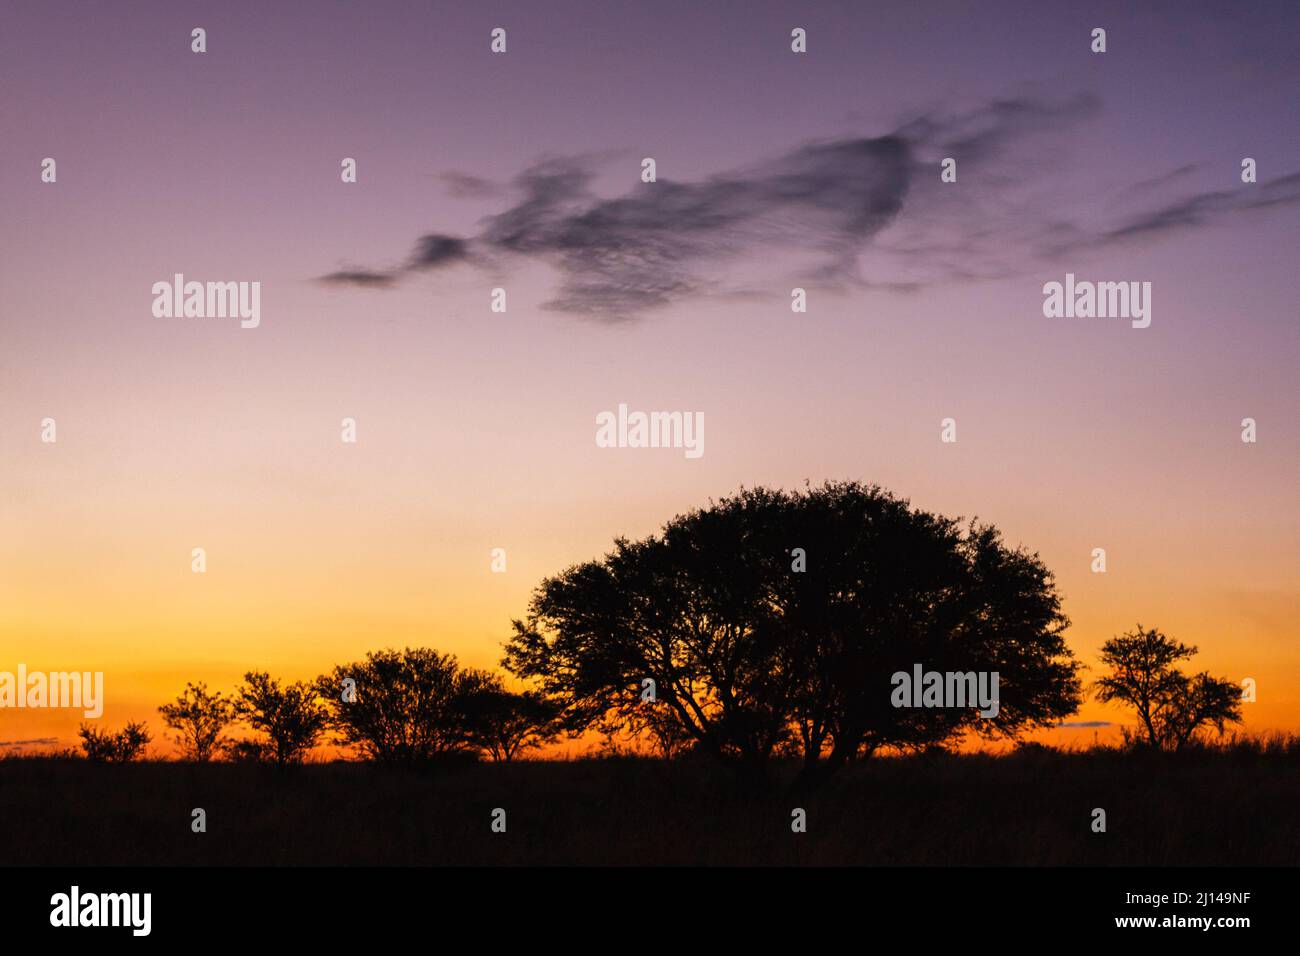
(1223, 805)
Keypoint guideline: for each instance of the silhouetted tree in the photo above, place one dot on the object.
(657, 722)
(887, 587)
(127, 744)
(290, 716)
(504, 723)
(408, 705)
(1171, 706)
(248, 751)
(198, 718)
(751, 656)
(686, 610)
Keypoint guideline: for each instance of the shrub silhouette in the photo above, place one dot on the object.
(504, 724)
(127, 744)
(248, 751)
(751, 657)
(290, 716)
(1171, 706)
(409, 705)
(198, 718)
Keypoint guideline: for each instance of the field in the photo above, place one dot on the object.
(1229, 806)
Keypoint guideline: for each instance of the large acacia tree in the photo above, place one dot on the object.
(772, 622)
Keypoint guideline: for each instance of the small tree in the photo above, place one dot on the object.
(198, 719)
(248, 751)
(655, 720)
(290, 716)
(406, 705)
(1171, 706)
(127, 744)
(1201, 701)
(504, 723)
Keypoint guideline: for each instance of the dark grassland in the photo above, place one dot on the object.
(1238, 805)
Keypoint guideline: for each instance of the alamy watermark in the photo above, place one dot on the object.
(75, 908)
(922, 688)
(624, 429)
(1102, 300)
(55, 689)
(208, 300)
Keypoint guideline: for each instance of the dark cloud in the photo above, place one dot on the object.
(430, 252)
(467, 186)
(436, 250)
(30, 742)
(866, 211)
(1204, 208)
(1158, 182)
(620, 257)
(360, 277)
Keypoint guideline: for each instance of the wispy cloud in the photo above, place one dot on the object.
(859, 211)
(1205, 208)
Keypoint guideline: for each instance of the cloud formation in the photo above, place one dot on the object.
(861, 211)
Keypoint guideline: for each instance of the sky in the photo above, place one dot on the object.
(522, 170)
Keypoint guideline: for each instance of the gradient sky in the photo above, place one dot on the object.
(476, 430)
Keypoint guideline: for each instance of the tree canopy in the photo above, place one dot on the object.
(1171, 706)
(402, 706)
(772, 621)
(199, 718)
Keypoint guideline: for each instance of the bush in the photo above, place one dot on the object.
(127, 744)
